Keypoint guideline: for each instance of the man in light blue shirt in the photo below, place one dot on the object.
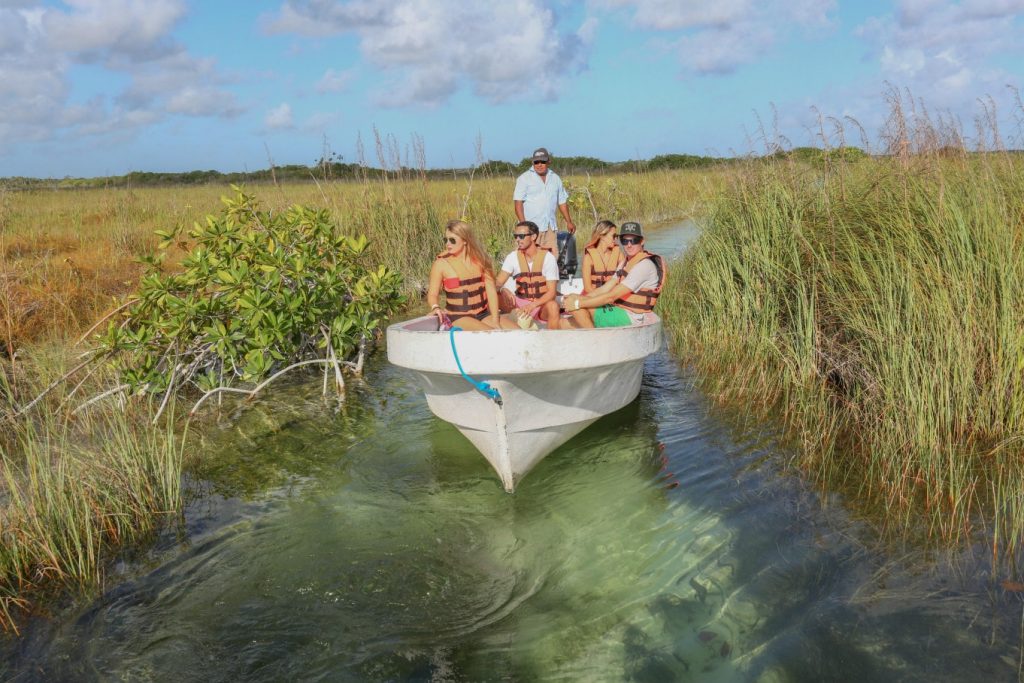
(538, 192)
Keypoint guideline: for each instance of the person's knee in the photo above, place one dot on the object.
(552, 314)
(582, 318)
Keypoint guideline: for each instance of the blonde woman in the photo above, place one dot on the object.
(602, 257)
(465, 274)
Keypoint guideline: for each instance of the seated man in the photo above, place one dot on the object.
(535, 272)
(620, 302)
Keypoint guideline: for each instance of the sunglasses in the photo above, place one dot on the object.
(451, 240)
(521, 236)
(537, 163)
(630, 240)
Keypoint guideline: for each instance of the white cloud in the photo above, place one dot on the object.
(320, 121)
(14, 31)
(672, 15)
(280, 117)
(721, 51)
(180, 84)
(201, 101)
(327, 17)
(718, 37)
(96, 28)
(906, 62)
(429, 50)
(40, 45)
(334, 81)
(942, 50)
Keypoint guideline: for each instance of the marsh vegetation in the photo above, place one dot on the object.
(78, 484)
(874, 311)
(868, 309)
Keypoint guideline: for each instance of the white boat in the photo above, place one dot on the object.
(551, 384)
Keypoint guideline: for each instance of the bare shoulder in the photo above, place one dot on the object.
(441, 265)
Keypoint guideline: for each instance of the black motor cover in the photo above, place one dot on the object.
(566, 255)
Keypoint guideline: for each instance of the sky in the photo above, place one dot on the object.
(104, 87)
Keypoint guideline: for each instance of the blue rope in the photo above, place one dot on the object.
(482, 387)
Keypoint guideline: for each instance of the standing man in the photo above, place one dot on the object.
(538, 191)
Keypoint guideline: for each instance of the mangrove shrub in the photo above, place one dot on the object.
(258, 292)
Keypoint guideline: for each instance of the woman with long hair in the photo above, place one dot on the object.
(602, 257)
(465, 274)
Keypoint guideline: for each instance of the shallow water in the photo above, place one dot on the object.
(375, 543)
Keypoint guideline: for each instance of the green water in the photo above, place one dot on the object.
(374, 543)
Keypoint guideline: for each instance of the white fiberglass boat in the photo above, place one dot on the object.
(545, 386)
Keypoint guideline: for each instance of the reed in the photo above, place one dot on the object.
(875, 309)
(67, 255)
(76, 489)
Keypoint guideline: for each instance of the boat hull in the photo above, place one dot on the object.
(552, 384)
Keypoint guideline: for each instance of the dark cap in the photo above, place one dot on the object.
(630, 228)
(541, 154)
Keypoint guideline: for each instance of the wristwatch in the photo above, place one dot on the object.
(577, 303)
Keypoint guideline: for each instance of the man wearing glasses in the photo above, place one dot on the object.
(535, 273)
(538, 192)
(618, 303)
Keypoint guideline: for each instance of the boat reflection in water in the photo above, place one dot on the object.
(545, 386)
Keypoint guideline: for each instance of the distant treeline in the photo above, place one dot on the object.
(336, 170)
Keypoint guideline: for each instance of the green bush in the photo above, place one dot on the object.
(258, 291)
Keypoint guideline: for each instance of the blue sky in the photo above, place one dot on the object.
(103, 87)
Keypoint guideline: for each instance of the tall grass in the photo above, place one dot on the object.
(875, 309)
(65, 255)
(75, 489)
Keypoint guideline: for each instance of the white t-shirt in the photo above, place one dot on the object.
(548, 268)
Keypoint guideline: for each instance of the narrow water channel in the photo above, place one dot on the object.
(377, 544)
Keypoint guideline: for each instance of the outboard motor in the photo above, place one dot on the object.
(566, 255)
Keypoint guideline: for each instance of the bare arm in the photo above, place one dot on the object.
(434, 288)
(503, 276)
(549, 293)
(492, 300)
(569, 225)
(519, 209)
(608, 286)
(609, 292)
(588, 272)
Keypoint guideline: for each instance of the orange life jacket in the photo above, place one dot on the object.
(643, 300)
(468, 297)
(530, 284)
(599, 277)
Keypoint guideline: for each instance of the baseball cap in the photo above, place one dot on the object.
(541, 154)
(630, 228)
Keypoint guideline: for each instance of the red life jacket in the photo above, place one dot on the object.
(599, 277)
(643, 300)
(530, 284)
(464, 295)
